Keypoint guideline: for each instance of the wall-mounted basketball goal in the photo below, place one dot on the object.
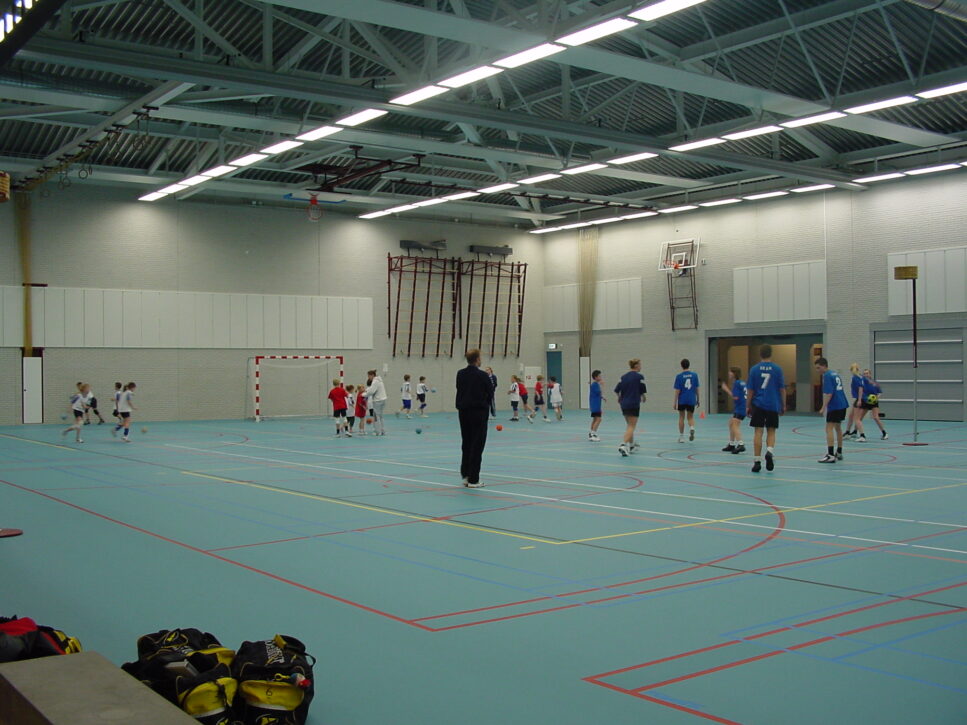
(679, 261)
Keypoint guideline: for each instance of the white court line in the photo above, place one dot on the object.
(568, 501)
(625, 490)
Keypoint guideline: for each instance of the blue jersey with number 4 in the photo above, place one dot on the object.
(833, 385)
(686, 383)
(739, 389)
(766, 382)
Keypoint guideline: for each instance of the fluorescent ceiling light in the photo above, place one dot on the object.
(153, 196)
(582, 169)
(218, 171)
(172, 189)
(816, 187)
(932, 169)
(720, 202)
(660, 9)
(752, 132)
(765, 195)
(676, 209)
(318, 133)
(421, 94)
(280, 147)
(879, 105)
(248, 160)
(608, 27)
(879, 177)
(944, 91)
(633, 157)
(461, 195)
(362, 117)
(431, 202)
(639, 215)
(376, 214)
(544, 230)
(809, 120)
(609, 220)
(539, 178)
(470, 76)
(405, 207)
(577, 225)
(530, 55)
(696, 144)
(195, 180)
(499, 187)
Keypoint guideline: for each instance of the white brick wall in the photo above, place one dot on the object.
(10, 386)
(90, 236)
(853, 231)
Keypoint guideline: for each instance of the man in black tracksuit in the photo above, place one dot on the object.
(474, 393)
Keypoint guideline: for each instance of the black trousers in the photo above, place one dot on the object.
(473, 430)
(493, 404)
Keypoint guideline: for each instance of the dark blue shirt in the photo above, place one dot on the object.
(739, 389)
(630, 389)
(766, 383)
(686, 383)
(870, 388)
(833, 385)
(595, 397)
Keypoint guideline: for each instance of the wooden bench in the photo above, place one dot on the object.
(80, 689)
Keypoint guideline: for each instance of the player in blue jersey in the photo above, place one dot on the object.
(631, 392)
(766, 398)
(871, 403)
(834, 408)
(594, 402)
(686, 400)
(736, 389)
(856, 392)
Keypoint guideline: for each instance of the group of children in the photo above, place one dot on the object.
(366, 403)
(83, 403)
(519, 397)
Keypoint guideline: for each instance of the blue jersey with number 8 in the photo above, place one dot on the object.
(766, 383)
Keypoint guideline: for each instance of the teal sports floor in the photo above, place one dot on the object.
(577, 588)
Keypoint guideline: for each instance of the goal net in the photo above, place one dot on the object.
(288, 386)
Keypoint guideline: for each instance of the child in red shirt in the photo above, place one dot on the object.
(338, 396)
(539, 398)
(361, 408)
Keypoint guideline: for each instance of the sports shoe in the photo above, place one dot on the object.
(126, 439)
(623, 450)
(464, 481)
(514, 418)
(348, 434)
(884, 437)
(475, 485)
(530, 419)
(594, 437)
(739, 449)
(839, 456)
(827, 459)
(729, 449)
(681, 439)
(635, 447)
(861, 439)
(770, 461)
(691, 434)
(79, 440)
(546, 419)
(757, 466)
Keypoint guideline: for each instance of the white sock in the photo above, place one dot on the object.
(769, 449)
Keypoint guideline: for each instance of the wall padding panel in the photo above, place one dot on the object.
(74, 317)
(617, 305)
(774, 292)
(941, 286)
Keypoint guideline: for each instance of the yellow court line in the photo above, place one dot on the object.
(764, 513)
(704, 469)
(365, 507)
(39, 443)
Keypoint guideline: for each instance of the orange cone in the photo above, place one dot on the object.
(702, 415)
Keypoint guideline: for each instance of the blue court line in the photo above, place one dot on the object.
(890, 643)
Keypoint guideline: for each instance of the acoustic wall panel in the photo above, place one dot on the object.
(795, 291)
(78, 317)
(941, 284)
(617, 305)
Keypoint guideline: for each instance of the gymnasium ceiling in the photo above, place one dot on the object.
(191, 84)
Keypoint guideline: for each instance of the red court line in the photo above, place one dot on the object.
(197, 550)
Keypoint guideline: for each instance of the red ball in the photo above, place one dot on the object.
(369, 420)
(500, 427)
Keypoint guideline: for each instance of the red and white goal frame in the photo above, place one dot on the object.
(258, 373)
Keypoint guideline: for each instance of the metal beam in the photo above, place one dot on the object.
(139, 64)
(206, 30)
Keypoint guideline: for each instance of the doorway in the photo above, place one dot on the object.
(555, 365)
(793, 353)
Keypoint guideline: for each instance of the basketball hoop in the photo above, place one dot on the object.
(314, 211)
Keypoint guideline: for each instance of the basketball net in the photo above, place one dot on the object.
(314, 211)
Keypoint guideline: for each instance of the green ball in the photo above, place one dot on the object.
(64, 417)
(419, 430)
(872, 399)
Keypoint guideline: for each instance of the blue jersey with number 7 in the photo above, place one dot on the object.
(766, 383)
